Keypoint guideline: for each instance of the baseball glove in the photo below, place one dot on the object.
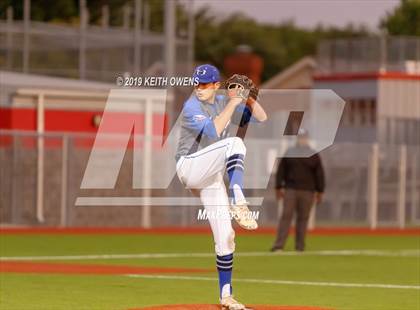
(244, 86)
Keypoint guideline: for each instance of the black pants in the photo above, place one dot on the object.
(299, 201)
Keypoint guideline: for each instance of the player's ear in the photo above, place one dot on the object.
(217, 85)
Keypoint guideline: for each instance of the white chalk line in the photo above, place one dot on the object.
(381, 253)
(378, 253)
(281, 282)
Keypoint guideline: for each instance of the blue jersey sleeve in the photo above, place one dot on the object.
(195, 119)
(243, 115)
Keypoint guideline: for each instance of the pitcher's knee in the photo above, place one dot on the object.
(237, 146)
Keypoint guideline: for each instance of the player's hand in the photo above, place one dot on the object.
(318, 198)
(235, 101)
(279, 194)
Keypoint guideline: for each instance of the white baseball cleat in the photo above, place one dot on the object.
(229, 303)
(240, 212)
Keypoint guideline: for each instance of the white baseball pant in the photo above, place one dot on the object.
(204, 170)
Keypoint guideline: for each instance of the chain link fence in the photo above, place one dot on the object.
(371, 54)
(349, 169)
(99, 54)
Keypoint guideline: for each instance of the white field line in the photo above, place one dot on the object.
(282, 282)
(379, 253)
(150, 201)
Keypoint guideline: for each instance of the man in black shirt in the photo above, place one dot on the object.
(300, 182)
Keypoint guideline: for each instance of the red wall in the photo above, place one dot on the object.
(66, 120)
(75, 122)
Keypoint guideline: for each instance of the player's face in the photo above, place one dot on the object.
(206, 91)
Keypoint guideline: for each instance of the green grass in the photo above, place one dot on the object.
(43, 291)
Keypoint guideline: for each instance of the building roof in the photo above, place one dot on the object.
(298, 75)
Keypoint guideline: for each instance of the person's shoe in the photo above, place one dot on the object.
(276, 249)
(240, 212)
(229, 303)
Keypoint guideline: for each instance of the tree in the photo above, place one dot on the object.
(62, 10)
(280, 45)
(404, 20)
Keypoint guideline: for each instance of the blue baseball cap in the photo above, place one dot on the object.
(206, 74)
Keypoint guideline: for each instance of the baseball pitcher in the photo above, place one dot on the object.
(205, 152)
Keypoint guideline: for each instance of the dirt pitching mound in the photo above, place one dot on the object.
(218, 307)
